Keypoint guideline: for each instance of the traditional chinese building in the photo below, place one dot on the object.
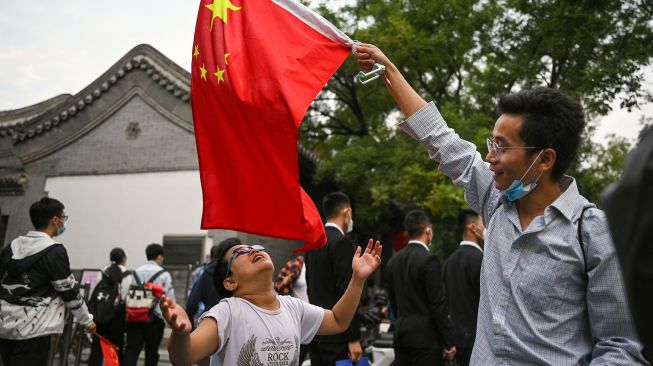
(121, 156)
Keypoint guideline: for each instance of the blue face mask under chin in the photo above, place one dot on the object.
(517, 189)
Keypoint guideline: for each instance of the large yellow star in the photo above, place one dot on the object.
(219, 9)
(218, 74)
(197, 51)
(203, 71)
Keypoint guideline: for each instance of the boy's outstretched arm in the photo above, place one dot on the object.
(184, 347)
(337, 319)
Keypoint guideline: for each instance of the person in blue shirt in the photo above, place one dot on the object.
(552, 291)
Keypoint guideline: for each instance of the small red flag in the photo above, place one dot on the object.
(257, 65)
(110, 352)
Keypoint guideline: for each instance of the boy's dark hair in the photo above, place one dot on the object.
(43, 210)
(333, 202)
(415, 222)
(551, 119)
(153, 250)
(117, 255)
(221, 267)
(215, 250)
(465, 217)
(114, 272)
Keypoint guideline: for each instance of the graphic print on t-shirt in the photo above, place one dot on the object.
(275, 352)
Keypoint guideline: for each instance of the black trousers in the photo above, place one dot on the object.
(326, 354)
(27, 352)
(463, 355)
(115, 333)
(148, 334)
(418, 356)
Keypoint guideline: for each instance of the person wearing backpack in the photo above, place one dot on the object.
(36, 286)
(107, 304)
(149, 333)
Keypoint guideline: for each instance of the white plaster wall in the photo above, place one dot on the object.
(125, 210)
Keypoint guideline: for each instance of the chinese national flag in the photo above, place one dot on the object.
(109, 352)
(257, 65)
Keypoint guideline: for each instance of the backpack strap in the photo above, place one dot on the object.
(156, 275)
(580, 236)
(136, 279)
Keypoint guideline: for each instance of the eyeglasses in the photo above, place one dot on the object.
(493, 147)
(242, 251)
(64, 218)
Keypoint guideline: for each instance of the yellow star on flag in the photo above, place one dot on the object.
(219, 73)
(225, 58)
(197, 51)
(219, 9)
(203, 71)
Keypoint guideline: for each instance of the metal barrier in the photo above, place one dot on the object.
(73, 340)
(74, 344)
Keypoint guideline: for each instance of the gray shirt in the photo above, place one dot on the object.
(250, 335)
(537, 305)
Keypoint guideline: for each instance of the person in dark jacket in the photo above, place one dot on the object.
(35, 285)
(462, 279)
(328, 272)
(114, 329)
(204, 291)
(628, 204)
(422, 331)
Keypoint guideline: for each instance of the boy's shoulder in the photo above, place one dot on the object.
(286, 304)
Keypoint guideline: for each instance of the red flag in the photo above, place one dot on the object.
(257, 65)
(109, 352)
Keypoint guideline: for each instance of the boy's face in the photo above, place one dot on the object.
(248, 261)
(513, 162)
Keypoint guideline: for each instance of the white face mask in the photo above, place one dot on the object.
(350, 224)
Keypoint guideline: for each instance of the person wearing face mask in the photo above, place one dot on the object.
(36, 286)
(552, 290)
(328, 272)
(461, 275)
(422, 333)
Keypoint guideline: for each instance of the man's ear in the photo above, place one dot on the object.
(548, 159)
(229, 284)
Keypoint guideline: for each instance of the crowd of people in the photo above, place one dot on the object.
(536, 279)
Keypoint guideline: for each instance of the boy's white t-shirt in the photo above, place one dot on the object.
(250, 335)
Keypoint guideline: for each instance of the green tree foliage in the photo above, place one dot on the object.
(462, 54)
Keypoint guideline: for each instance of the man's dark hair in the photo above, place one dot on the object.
(215, 250)
(221, 267)
(415, 222)
(117, 255)
(43, 210)
(333, 203)
(465, 217)
(153, 250)
(551, 119)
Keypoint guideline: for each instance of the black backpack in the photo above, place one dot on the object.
(106, 303)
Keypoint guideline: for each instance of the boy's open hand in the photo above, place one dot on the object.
(175, 315)
(364, 265)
